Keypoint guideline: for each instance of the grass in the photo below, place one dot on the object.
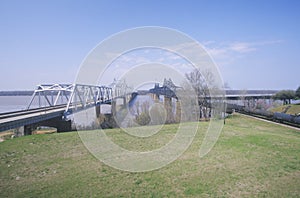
(293, 109)
(11, 133)
(252, 158)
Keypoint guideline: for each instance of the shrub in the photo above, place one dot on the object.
(143, 119)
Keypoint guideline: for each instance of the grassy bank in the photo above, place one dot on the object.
(289, 109)
(251, 158)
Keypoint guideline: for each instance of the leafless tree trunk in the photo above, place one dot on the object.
(200, 82)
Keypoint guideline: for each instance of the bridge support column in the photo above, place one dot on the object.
(28, 129)
(113, 108)
(178, 111)
(168, 107)
(58, 123)
(98, 110)
(155, 97)
(19, 131)
(123, 105)
(124, 101)
(64, 126)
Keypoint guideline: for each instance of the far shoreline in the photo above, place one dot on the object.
(16, 93)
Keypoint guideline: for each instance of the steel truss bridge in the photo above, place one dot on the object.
(75, 97)
(52, 105)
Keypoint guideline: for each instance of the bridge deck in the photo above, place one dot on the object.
(15, 121)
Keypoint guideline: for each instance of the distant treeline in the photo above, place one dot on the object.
(16, 93)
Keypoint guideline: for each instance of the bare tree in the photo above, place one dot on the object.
(200, 82)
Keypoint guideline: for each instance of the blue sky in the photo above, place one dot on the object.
(256, 44)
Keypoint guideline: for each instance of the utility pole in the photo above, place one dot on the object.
(224, 112)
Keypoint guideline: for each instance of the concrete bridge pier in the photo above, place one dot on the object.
(178, 112)
(19, 131)
(168, 107)
(63, 126)
(25, 130)
(113, 107)
(155, 97)
(124, 102)
(28, 129)
(98, 110)
(58, 123)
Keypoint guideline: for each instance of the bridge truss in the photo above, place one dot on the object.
(51, 104)
(49, 95)
(74, 97)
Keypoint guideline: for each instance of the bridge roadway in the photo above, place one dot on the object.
(17, 119)
(55, 116)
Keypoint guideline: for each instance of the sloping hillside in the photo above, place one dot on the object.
(289, 109)
(252, 158)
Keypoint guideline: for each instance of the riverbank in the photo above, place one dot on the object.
(252, 158)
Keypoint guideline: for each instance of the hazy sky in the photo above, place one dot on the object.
(256, 44)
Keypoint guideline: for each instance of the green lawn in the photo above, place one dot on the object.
(252, 158)
(291, 109)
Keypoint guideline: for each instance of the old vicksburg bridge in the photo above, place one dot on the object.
(53, 105)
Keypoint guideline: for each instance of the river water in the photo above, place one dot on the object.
(13, 103)
(87, 117)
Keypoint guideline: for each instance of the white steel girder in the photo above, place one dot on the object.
(74, 96)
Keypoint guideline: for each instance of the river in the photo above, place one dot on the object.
(13, 103)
